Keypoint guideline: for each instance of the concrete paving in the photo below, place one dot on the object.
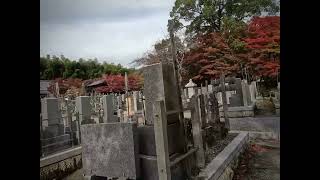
(258, 127)
(265, 164)
(261, 124)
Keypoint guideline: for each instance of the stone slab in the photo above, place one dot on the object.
(260, 135)
(50, 110)
(64, 137)
(108, 109)
(241, 108)
(147, 140)
(235, 100)
(53, 131)
(84, 107)
(110, 150)
(238, 114)
(241, 111)
(56, 147)
(52, 159)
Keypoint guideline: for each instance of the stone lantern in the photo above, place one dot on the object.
(190, 88)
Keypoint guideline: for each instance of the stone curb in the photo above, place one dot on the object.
(60, 156)
(260, 134)
(218, 165)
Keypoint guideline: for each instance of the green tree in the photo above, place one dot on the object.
(205, 16)
(43, 67)
(62, 67)
(55, 68)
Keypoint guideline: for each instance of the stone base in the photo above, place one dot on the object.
(235, 101)
(53, 131)
(55, 144)
(260, 135)
(59, 165)
(237, 112)
(147, 140)
(150, 169)
(88, 121)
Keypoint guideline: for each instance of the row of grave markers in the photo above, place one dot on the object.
(247, 92)
(60, 119)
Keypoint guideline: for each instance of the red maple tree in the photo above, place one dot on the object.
(260, 56)
(210, 58)
(263, 44)
(116, 83)
(64, 85)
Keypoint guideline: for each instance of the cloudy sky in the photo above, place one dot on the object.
(111, 30)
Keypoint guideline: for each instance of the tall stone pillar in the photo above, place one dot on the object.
(108, 109)
(84, 109)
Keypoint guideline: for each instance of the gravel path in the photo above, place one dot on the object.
(212, 152)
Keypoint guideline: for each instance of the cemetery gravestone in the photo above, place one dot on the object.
(110, 150)
(108, 109)
(160, 84)
(51, 114)
(84, 109)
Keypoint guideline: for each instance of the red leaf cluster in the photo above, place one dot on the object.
(263, 42)
(211, 57)
(263, 32)
(65, 84)
(116, 84)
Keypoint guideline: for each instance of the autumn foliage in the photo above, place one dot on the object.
(210, 58)
(116, 83)
(263, 43)
(65, 84)
(260, 55)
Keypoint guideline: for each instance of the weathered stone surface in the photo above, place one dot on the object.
(150, 169)
(108, 109)
(147, 140)
(65, 137)
(50, 111)
(235, 101)
(62, 162)
(170, 88)
(160, 84)
(55, 144)
(84, 108)
(240, 111)
(210, 88)
(53, 130)
(219, 164)
(259, 124)
(153, 89)
(110, 150)
(246, 93)
(253, 91)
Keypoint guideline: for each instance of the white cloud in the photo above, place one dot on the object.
(121, 42)
(92, 28)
